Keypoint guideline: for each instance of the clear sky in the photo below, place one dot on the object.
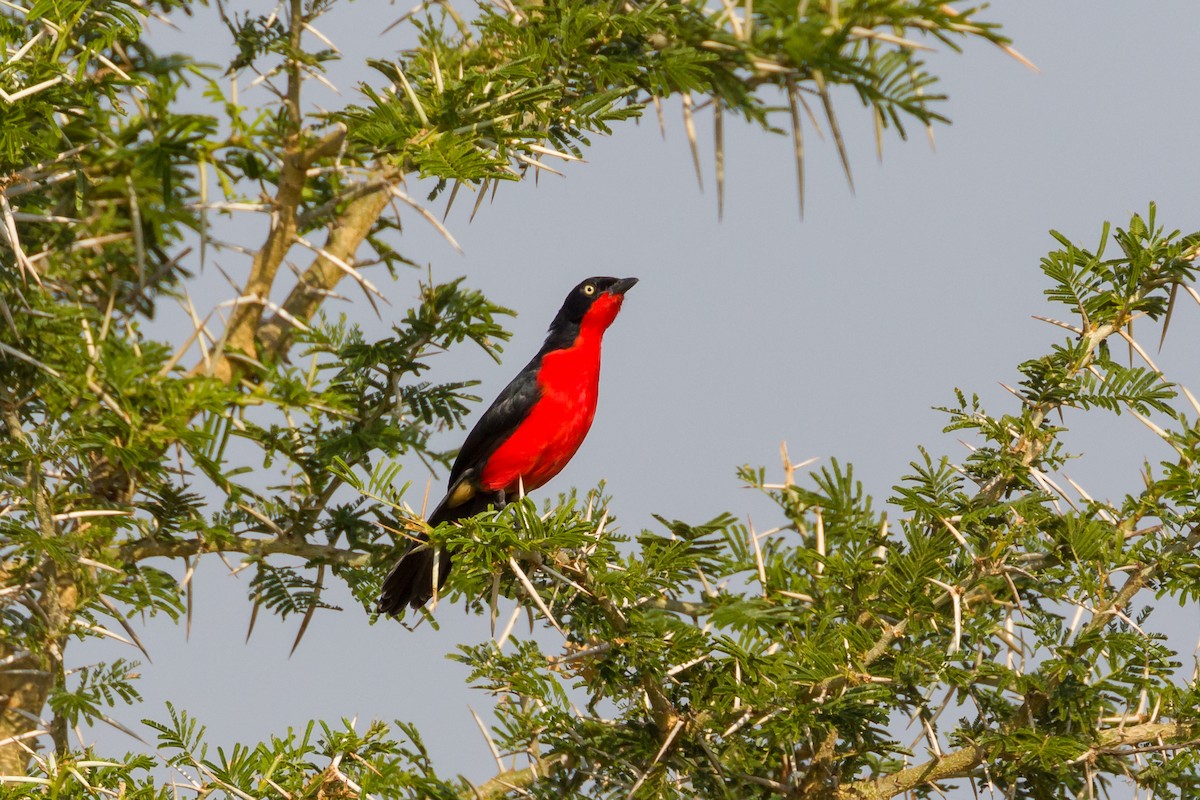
(837, 333)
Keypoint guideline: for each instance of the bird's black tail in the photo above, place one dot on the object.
(411, 582)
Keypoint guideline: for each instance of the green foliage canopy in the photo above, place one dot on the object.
(705, 659)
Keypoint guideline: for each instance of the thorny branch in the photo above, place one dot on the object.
(964, 761)
(346, 233)
(242, 331)
(142, 549)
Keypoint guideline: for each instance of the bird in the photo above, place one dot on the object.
(525, 437)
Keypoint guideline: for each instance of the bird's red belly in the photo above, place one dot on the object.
(556, 426)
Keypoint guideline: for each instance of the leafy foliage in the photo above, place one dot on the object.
(106, 685)
(482, 102)
(691, 659)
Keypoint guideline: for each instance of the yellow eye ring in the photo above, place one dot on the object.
(589, 289)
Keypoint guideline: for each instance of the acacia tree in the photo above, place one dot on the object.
(706, 658)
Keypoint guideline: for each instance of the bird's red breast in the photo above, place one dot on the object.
(569, 379)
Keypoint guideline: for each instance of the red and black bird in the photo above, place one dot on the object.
(525, 437)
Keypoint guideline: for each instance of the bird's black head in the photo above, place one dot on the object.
(596, 300)
(599, 291)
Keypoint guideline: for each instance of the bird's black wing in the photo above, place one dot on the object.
(504, 415)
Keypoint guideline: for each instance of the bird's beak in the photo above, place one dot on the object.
(622, 286)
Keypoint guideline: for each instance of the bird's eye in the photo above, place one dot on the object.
(589, 289)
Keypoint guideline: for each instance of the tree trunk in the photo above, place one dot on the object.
(24, 686)
(27, 679)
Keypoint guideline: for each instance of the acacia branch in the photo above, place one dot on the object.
(957, 764)
(346, 233)
(240, 333)
(952, 765)
(516, 780)
(1122, 741)
(1138, 580)
(687, 608)
(662, 710)
(296, 22)
(142, 549)
(1030, 448)
(1034, 703)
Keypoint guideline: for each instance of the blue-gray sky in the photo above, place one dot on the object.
(836, 333)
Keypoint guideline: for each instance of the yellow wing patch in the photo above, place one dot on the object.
(463, 491)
